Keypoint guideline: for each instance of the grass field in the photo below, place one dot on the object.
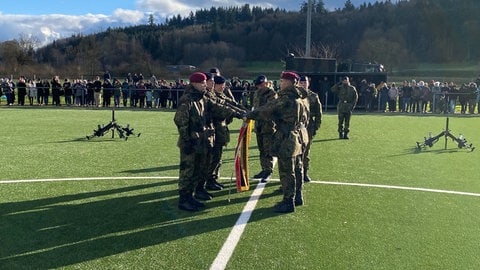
(376, 202)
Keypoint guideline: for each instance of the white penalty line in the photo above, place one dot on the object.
(230, 244)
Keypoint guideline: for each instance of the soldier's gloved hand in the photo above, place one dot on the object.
(188, 147)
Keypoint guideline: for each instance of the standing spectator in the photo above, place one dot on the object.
(56, 91)
(8, 90)
(117, 92)
(133, 93)
(383, 96)
(31, 91)
(416, 97)
(125, 92)
(369, 96)
(107, 93)
(407, 96)
(67, 88)
(426, 96)
(90, 100)
(141, 93)
(392, 98)
(148, 94)
(97, 91)
(347, 99)
(79, 90)
(472, 97)
(39, 87)
(46, 91)
(21, 90)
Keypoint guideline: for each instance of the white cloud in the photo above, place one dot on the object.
(166, 8)
(47, 28)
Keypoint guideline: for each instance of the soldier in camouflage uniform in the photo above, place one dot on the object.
(222, 134)
(347, 99)
(286, 111)
(313, 123)
(195, 137)
(264, 129)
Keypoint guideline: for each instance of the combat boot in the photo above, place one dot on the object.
(266, 177)
(299, 199)
(259, 175)
(340, 135)
(306, 178)
(195, 202)
(285, 206)
(215, 181)
(345, 135)
(202, 194)
(184, 203)
(212, 185)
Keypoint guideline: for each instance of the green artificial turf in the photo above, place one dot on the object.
(130, 220)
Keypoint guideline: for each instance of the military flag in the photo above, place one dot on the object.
(241, 156)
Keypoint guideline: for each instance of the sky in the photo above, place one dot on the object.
(48, 20)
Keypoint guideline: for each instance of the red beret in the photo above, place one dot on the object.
(197, 77)
(292, 76)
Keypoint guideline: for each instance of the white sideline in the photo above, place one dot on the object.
(228, 247)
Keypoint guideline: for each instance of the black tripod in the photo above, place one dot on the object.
(123, 132)
(431, 140)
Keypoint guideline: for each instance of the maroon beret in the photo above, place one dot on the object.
(197, 77)
(292, 76)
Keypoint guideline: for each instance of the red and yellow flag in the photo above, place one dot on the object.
(241, 156)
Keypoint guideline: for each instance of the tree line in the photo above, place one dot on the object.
(398, 34)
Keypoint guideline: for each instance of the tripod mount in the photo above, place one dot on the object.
(431, 140)
(123, 132)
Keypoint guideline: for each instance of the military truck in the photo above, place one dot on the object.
(325, 72)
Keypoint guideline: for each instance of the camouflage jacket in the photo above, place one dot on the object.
(261, 97)
(191, 117)
(286, 112)
(315, 113)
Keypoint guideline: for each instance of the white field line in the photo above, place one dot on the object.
(228, 247)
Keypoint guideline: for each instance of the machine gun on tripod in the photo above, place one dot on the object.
(123, 132)
(431, 140)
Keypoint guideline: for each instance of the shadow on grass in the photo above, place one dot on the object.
(153, 169)
(416, 151)
(61, 231)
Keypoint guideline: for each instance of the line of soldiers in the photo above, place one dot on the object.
(201, 118)
(286, 123)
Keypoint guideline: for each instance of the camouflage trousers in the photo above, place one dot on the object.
(291, 175)
(344, 121)
(216, 153)
(264, 141)
(306, 154)
(193, 169)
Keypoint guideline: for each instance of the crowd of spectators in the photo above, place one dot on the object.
(420, 97)
(136, 91)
